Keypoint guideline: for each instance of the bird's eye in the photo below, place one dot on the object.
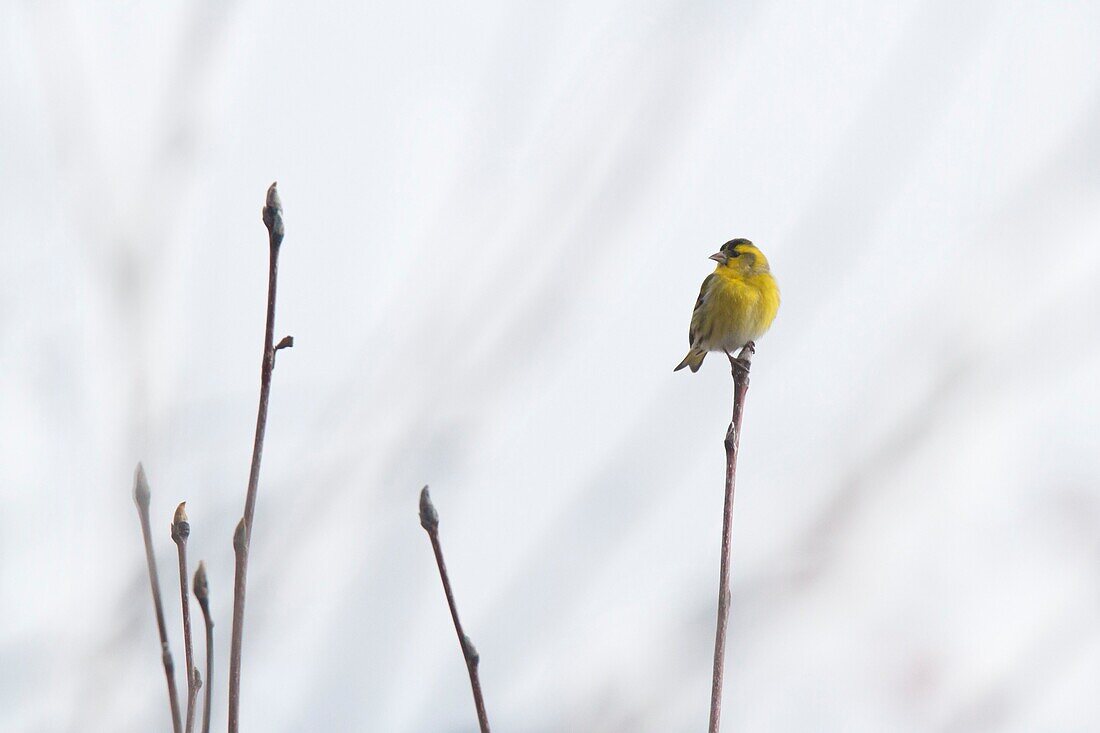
(734, 253)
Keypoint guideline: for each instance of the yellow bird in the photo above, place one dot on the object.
(736, 305)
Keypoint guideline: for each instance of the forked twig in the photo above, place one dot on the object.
(181, 530)
(429, 520)
(273, 220)
(141, 498)
(202, 594)
(192, 696)
(739, 366)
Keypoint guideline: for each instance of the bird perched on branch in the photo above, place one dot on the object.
(736, 305)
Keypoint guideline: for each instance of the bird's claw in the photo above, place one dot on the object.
(736, 362)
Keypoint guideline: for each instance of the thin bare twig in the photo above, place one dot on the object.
(202, 594)
(181, 530)
(192, 696)
(141, 498)
(429, 520)
(273, 220)
(739, 365)
(240, 552)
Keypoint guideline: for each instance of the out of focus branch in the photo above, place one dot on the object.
(739, 365)
(429, 520)
(141, 498)
(201, 590)
(273, 220)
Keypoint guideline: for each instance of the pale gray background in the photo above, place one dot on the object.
(498, 216)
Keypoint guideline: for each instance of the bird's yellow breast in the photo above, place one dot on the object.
(736, 308)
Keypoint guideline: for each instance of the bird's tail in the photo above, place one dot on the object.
(694, 360)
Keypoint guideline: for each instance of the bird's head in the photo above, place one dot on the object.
(742, 256)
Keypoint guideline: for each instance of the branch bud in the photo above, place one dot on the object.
(273, 215)
(240, 538)
(141, 488)
(199, 585)
(181, 528)
(470, 651)
(429, 517)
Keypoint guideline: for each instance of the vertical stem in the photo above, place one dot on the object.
(429, 520)
(273, 220)
(181, 530)
(141, 498)
(241, 555)
(209, 671)
(273, 217)
(202, 595)
(740, 368)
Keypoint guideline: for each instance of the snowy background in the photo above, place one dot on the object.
(498, 217)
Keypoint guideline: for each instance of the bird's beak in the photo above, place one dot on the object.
(720, 257)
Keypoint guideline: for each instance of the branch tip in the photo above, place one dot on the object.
(273, 215)
(273, 220)
(141, 498)
(202, 593)
(429, 520)
(286, 343)
(199, 585)
(141, 487)
(429, 517)
(272, 200)
(181, 528)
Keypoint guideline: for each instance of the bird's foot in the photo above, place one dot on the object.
(743, 361)
(740, 362)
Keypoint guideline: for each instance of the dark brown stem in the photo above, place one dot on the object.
(739, 366)
(181, 530)
(273, 220)
(202, 595)
(429, 520)
(141, 498)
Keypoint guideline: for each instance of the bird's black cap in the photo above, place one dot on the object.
(730, 247)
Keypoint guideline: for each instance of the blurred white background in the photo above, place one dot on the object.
(498, 216)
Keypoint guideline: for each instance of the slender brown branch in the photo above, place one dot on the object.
(240, 552)
(192, 696)
(429, 520)
(273, 220)
(141, 498)
(181, 530)
(739, 365)
(202, 594)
